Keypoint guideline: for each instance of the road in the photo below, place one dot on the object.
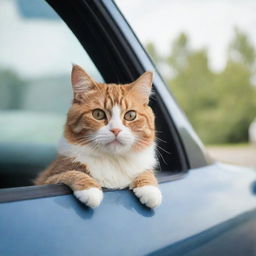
(241, 155)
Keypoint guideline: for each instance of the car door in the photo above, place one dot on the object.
(208, 208)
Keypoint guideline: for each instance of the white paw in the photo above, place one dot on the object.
(151, 196)
(92, 197)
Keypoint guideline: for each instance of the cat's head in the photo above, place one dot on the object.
(110, 118)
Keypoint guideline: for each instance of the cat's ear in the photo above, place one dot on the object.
(142, 86)
(81, 81)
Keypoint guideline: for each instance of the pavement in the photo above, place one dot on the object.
(241, 155)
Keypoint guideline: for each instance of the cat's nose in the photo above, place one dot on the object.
(116, 131)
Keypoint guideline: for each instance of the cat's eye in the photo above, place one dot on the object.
(130, 115)
(98, 114)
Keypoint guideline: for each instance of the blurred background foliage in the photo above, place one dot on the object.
(220, 105)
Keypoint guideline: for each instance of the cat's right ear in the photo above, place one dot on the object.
(81, 82)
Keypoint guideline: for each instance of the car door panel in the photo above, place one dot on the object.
(206, 211)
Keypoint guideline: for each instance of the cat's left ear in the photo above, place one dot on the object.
(143, 86)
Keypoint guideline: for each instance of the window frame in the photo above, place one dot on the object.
(94, 22)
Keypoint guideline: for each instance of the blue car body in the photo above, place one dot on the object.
(208, 208)
(210, 211)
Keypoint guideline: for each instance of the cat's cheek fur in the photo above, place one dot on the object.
(92, 197)
(149, 195)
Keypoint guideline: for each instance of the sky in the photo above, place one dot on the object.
(38, 47)
(208, 23)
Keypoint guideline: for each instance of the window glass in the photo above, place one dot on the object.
(37, 50)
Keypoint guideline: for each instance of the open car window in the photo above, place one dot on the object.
(35, 90)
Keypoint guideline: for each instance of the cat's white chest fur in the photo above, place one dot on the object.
(114, 172)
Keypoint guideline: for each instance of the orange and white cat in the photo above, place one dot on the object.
(109, 141)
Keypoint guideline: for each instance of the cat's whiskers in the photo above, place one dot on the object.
(95, 147)
(167, 152)
(158, 154)
(140, 142)
(86, 139)
(161, 140)
(106, 139)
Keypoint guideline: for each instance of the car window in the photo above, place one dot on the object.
(37, 50)
(35, 91)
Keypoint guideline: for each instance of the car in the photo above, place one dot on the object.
(209, 208)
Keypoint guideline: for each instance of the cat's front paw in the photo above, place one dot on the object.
(92, 197)
(149, 195)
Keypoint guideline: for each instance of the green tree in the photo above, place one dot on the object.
(193, 87)
(179, 53)
(221, 105)
(229, 120)
(152, 51)
(241, 50)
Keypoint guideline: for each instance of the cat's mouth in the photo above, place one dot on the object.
(114, 142)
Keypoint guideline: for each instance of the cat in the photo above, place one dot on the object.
(109, 141)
